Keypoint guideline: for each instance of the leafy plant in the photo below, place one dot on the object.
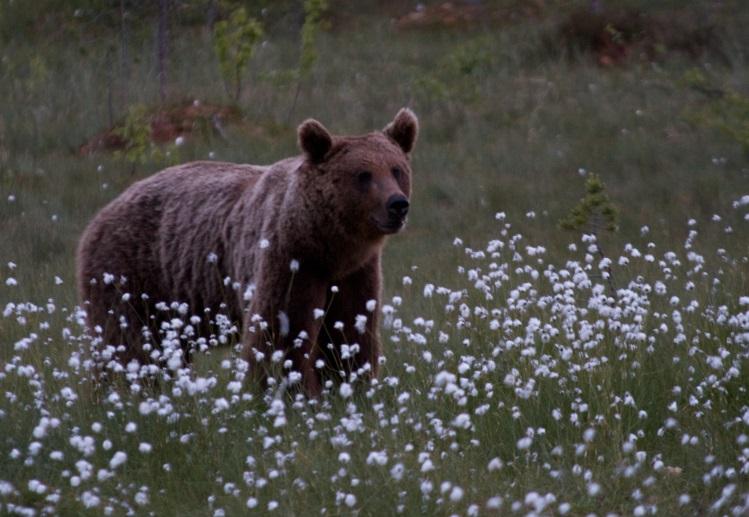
(139, 147)
(314, 10)
(594, 213)
(456, 77)
(38, 73)
(731, 116)
(726, 110)
(313, 14)
(234, 41)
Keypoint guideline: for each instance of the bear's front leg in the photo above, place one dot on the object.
(354, 347)
(281, 317)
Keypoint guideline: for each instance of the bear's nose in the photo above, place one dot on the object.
(397, 206)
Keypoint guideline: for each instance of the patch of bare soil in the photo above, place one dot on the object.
(467, 13)
(165, 125)
(616, 36)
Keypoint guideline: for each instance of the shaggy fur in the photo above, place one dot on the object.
(179, 235)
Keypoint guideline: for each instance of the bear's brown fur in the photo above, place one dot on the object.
(265, 245)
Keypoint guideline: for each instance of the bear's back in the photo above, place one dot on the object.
(159, 231)
(202, 178)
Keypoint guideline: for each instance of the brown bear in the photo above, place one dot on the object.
(291, 251)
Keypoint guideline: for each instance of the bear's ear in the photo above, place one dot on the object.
(403, 129)
(314, 140)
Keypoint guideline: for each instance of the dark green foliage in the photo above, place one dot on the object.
(457, 76)
(140, 148)
(234, 41)
(314, 11)
(594, 211)
(724, 108)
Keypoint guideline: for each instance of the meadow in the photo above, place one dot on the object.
(529, 369)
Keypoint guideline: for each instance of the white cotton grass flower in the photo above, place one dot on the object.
(283, 323)
(377, 458)
(462, 421)
(249, 292)
(6, 488)
(37, 487)
(118, 459)
(90, 500)
(141, 498)
(593, 489)
(345, 390)
(360, 323)
(397, 471)
(456, 494)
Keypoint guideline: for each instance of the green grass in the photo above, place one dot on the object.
(506, 127)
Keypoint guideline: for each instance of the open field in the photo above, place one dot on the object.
(527, 370)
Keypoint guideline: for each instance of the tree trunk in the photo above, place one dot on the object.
(212, 14)
(109, 64)
(162, 48)
(124, 70)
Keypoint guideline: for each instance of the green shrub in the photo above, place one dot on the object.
(594, 211)
(234, 41)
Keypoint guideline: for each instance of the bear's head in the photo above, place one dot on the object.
(363, 181)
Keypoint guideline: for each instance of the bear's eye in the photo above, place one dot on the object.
(397, 172)
(364, 177)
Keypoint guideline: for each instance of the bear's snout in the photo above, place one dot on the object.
(397, 207)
